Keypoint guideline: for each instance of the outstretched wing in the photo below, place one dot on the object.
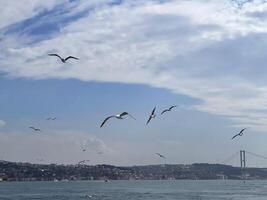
(54, 54)
(241, 132)
(106, 120)
(153, 111)
(125, 113)
(71, 57)
(160, 155)
(148, 120)
(173, 107)
(164, 111)
(235, 136)
(35, 129)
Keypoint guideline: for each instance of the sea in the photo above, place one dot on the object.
(135, 190)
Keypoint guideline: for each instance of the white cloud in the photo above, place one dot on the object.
(203, 49)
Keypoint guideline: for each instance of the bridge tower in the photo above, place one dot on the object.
(243, 164)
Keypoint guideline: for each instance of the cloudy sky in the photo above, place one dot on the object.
(207, 56)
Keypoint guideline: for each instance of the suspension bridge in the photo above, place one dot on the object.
(242, 156)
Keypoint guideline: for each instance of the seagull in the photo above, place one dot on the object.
(240, 133)
(63, 59)
(169, 109)
(160, 155)
(51, 118)
(152, 115)
(118, 116)
(35, 129)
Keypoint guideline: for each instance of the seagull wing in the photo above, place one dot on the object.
(54, 54)
(125, 113)
(31, 127)
(149, 119)
(164, 111)
(235, 136)
(241, 132)
(48, 118)
(71, 57)
(106, 120)
(153, 111)
(160, 155)
(172, 107)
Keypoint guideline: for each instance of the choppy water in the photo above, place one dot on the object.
(137, 190)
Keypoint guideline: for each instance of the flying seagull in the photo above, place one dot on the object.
(51, 118)
(118, 116)
(169, 109)
(35, 129)
(63, 59)
(240, 133)
(160, 155)
(83, 149)
(152, 115)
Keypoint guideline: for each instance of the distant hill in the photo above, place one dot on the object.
(13, 171)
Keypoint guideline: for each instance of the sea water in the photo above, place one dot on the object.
(135, 190)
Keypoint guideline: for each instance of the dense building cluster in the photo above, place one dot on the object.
(11, 171)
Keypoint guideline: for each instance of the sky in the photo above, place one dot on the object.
(209, 57)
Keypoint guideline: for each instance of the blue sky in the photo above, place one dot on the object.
(206, 56)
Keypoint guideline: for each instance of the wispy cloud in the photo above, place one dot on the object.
(15, 12)
(204, 49)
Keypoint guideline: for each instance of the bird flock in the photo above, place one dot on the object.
(120, 116)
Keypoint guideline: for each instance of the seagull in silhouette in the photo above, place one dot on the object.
(51, 118)
(35, 129)
(118, 116)
(160, 155)
(83, 148)
(152, 115)
(63, 59)
(168, 109)
(239, 134)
